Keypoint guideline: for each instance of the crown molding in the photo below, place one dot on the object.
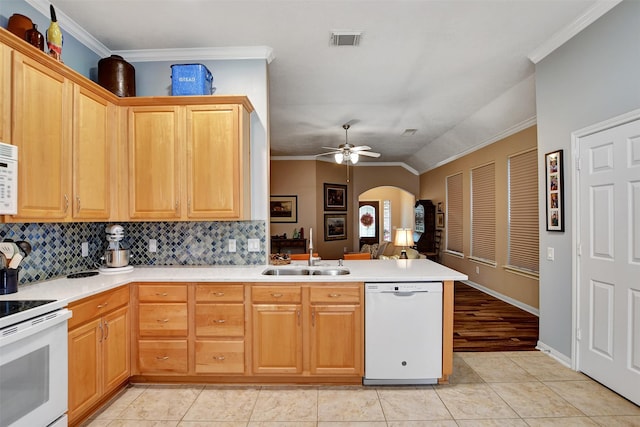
(71, 27)
(198, 53)
(151, 55)
(502, 135)
(580, 23)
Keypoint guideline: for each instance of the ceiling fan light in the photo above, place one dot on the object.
(354, 158)
(339, 158)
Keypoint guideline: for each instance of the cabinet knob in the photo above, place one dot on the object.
(219, 321)
(103, 305)
(276, 295)
(161, 294)
(78, 203)
(335, 295)
(162, 357)
(162, 320)
(217, 294)
(218, 358)
(66, 203)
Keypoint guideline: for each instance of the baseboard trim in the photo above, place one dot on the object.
(508, 300)
(566, 361)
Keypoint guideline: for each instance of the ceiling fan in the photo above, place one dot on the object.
(348, 153)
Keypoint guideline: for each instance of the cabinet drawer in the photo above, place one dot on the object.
(162, 293)
(219, 357)
(219, 293)
(220, 320)
(276, 294)
(95, 306)
(162, 356)
(334, 294)
(163, 319)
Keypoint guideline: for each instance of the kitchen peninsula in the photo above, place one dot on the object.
(227, 324)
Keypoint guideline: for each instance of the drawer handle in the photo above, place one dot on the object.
(161, 294)
(103, 305)
(218, 294)
(334, 295)
(219, 321)
(162, 357)
(218, 357)
(162, 320)
(275, 295)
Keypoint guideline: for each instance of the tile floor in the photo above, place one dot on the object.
(487, 389)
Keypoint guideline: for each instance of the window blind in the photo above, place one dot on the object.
(454, 213)
(523, 211)
(483, 212)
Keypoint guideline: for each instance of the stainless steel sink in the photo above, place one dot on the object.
(286, 272)
(330, 272)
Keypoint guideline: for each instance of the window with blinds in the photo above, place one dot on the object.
(523, 211)
(483, 213)
(454, 214)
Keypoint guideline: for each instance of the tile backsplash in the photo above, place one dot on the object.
(57, 246)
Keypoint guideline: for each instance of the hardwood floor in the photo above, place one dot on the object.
(484, 323)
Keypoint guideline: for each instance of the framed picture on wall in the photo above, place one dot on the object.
(335, 227)
(440, 220)
(283, 208)
(335, 197)
(554, 190)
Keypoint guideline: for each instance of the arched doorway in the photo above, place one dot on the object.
(382, 210)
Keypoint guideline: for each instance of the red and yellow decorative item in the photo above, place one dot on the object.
(54, 37)
(366, 219)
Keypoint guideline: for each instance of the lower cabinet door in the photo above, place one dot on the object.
(277, 339)
(116, 348)
(85, 365)
(219, 357)
(162, 356)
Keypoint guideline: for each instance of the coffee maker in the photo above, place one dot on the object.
(116, 257)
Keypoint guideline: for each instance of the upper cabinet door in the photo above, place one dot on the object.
(214, 162)
(5, 94)
(93, 142)
(155, 137)
(42, 103)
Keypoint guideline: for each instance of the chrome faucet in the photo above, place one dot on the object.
(312, 259)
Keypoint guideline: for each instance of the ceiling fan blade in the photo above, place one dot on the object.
(368, 153)
(332, 148)
(328, 154)
(360, 148)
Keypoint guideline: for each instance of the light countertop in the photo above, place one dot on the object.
(66, 290)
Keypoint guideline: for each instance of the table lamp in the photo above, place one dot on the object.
(404, 238)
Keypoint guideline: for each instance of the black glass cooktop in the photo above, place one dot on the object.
(8, 308)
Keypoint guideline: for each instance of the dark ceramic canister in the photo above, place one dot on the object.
(8, 281)
(117, 76)
(35, 37)
(19, 24)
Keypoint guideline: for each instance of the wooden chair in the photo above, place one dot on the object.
(301, 257)
(357, 256)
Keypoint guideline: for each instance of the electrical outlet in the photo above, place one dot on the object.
(85, 249)
(153, 245)
(253, 245)
(232, 245)
(477, 270)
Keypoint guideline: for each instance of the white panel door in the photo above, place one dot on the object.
(609, 261)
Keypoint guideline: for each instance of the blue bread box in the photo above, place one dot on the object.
(191, 79)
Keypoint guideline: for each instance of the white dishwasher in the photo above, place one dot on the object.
(403, 333)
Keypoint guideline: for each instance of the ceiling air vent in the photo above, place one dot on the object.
(345, 38)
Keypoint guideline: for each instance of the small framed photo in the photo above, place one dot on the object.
(335, 227)
(554, 190)
(440, 220)
(440, 207)
(335, 197)
(283, 209)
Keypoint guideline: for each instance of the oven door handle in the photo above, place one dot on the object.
(31, 327)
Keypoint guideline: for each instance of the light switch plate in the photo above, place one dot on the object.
(551, 254)
(85, 249)
(153, 245)
(253, 245)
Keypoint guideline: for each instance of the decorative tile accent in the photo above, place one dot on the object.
(57, 246)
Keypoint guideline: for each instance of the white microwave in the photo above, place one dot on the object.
(8, 179)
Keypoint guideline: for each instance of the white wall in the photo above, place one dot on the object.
(591, 78)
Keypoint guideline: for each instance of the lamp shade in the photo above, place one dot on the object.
(354, 158)
(404, 237)
(339, 157)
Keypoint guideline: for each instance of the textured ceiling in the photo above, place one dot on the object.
(457, 71)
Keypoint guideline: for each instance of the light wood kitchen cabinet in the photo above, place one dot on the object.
(64, 136)
(219, 328)
(162, 328)
(336, 330)
(5, 94)
(42, 109)
(189, 162)
(99, 349)
(155, 162)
